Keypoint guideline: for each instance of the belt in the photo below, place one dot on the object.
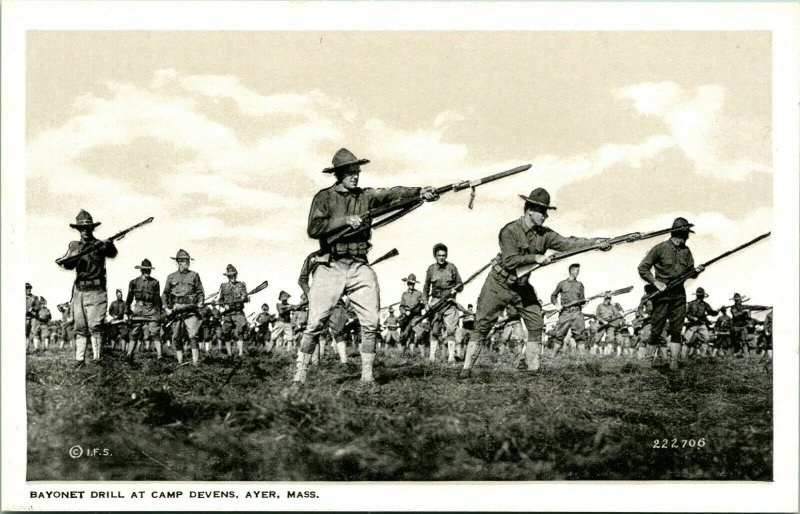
(89, 283)
(183, 299)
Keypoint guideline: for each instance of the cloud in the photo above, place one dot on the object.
(699, 126)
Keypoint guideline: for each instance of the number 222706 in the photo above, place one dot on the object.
(664, 444)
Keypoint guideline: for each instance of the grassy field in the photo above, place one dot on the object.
(581, 418)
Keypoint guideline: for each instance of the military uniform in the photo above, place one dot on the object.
(43, 318)
(282, 329)
(31, 307)
(89, 295)
(233, 296)
(300, 319)
(183, 293)
(697, 312)
(145, 291)
(671, 261)
(120, 330)
(211, 326)
(768, 333)
(411, 305)
(263, 321)
(740, 317)
(723, 326)
(569, 318)
(604, 313)
(392, 325)
(439, 282)
(521, 243)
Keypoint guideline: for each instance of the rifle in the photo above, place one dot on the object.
(389, 306)
(443, 302)
(260, 287)
(381, 216)
(692, 273)
(61, 261)
(626, 238)
(388, 255)
(616, 292)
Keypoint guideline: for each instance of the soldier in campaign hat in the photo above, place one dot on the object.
(570, 318)
(670, 259)
(697, 323)
(120, 330)
(146, 292)
(182, 300)
(282, 335)
(523, 241)
(347, 270)
(232, 297)
(412, 302)
(31, 308)
(442, 280)
(89, 295)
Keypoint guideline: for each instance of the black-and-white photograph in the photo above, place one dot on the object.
(387, 256)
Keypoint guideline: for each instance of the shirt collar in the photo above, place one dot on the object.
(339, 188)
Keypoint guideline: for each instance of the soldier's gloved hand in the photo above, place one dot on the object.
(542, 260)
(354, 221)
(167, 311)
(660, 285)
(428, 194)
(604, 245)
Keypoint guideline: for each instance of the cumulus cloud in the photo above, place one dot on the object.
(699, 126)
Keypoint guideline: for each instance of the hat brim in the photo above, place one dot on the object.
(684, 228)
(411, 281)
(182, 258)
(228, 274)
(540, 204)
(332, 169)
(144, 267)
(84, 225)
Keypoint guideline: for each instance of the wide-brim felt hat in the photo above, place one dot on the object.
(84, 220)
(343, 158)
(411, 278)
(701, 292)
(682, 225)
(540, 197)
(182, 255)
(230, 270)
(736, 296)
(146, 264)
(28, 285)
(284, 294)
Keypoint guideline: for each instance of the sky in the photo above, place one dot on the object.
(222, 136)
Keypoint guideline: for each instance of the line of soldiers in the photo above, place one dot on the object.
(341, 304)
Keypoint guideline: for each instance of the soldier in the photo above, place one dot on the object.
(120, 330)
(300, 320)
(263, 321)
(412, 302)
(233, 296)
(442, 281)
(523, 241)
(513, 334)
(31, 307)
(740, 317)
(392, 335)
(671, 259)
(41, 330)
(697, 312)
(66, 334)
(89, 295)
(606, 312)
(570, 319)
(642, 328)
(282, 330)
(182, 298)
(768, 334)
(336, 325)
(347, 271)
(464, 334)
(723, 326)
(146, 292)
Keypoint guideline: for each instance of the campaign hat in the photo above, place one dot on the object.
(342, 159)
(540, 197)
(83, 220)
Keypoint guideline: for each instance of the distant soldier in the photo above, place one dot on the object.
(182, 299)
(41, 330)
(697, 323)
(523, 241)
(282, 329)
(464, 334)
(768, 334)
(642, 328)
(392, 333)
(671, 259)
(723, 326)
(336, 326)
(120, 330)
(347, 270)
(66, 334)
(412, 303)
(570, 319)
(300, 320)
(145, 291)
(89, 295)
(263, 322)
(607, 314)
(31, 307)
(442, 280)
(740, 317)
(232, 297)
(211, 327)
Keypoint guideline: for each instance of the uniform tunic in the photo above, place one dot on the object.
(605, 313)
(146, 292)
(43, 318)
(569, 318)
(183, 291)
(520, 243)
(282, 329)
(670, 261)
(233, 296)
(31, 307)
(89, 297)
(439, 282)
(411, 305)
(697, 312)
(740, 317)
(117, 310)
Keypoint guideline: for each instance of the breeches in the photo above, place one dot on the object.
(569, 319)
(89, 310)
(670, 308)
(496, 295)
(234, 326)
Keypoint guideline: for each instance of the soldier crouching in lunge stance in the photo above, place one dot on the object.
(671, 259)
(183, 297)
(523, 241)
(89, 296)
(343, 268)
